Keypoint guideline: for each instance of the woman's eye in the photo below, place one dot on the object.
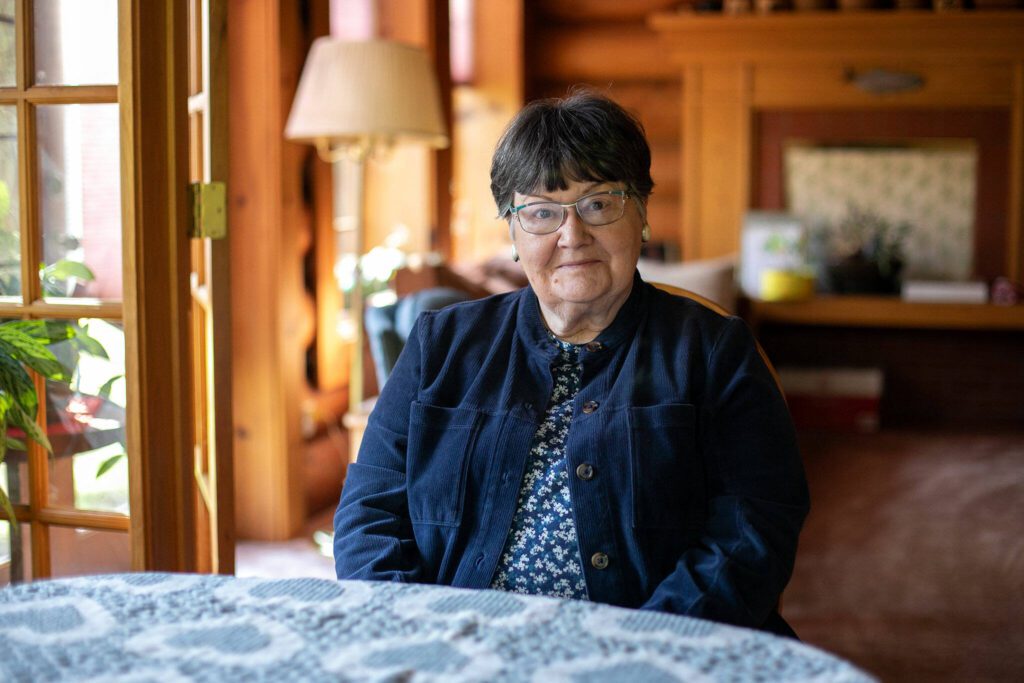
(542, 214)
(595, 204)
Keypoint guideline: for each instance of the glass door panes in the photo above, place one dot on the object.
(79, 185)
(7, 45)
(15, 554)
(60, 260)
(10, 243)
(14, 474)
(85, 421)
(75, 42)
(75, 551)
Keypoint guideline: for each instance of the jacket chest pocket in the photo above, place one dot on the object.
(667, 475)
(440, 443)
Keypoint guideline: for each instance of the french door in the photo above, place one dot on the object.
(95, 162)
(209, 286)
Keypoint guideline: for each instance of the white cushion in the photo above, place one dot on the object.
(711, 278)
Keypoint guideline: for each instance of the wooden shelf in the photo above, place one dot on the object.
(880, 311)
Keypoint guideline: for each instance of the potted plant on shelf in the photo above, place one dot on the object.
(866, 253)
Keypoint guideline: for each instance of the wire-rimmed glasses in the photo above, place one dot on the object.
(597, 208)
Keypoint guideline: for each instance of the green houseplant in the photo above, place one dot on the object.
(867, 253)
(23, 346)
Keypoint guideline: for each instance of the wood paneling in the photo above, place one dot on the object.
(801, 61)
(266, 259)
(482, 109)
(655, 102)
(598, 53)
(878, 311)
(717, 136)
(1015, 210)
(575, 11)
(825, 86)
(808, 37)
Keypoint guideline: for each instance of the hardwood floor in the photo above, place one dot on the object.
(911, 564)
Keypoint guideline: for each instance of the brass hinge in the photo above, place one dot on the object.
(209, 210)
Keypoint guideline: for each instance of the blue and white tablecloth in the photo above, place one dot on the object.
(185, 627)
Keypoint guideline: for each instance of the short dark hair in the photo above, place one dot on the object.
(583, 137)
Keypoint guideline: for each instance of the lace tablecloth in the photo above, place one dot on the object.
(177, 627)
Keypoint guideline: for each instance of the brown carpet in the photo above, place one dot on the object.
(911, 564)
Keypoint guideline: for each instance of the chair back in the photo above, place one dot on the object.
(388, 327)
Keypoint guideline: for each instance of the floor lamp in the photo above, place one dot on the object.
(356, 98)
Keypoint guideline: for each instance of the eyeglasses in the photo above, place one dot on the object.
(599, 208)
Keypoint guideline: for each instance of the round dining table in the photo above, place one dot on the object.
(165, 627)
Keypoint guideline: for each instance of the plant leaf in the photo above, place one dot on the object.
(5, 501)
(104, 391)
(32, 353)
(64, 269)
(48, 331)
(14, 444)
(29, 426)
(8, 509)
(89, 344)
(108, 463)
(18, 386)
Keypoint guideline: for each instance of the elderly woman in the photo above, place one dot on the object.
(588, 436)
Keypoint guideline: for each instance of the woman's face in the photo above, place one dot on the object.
(580, 263)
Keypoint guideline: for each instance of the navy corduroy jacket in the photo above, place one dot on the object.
(695, 492)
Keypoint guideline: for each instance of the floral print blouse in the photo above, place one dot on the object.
(541, 554)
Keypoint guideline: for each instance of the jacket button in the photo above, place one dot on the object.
(594, 346)
(599, 561)
(585, 471)
(589, 407)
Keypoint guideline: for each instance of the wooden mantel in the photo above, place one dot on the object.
(734, 66)
(783, 36)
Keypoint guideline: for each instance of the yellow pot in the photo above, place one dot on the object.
(786, 285)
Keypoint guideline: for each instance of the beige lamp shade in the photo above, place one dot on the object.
(366, 92)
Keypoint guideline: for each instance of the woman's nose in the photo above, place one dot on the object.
(573, 230)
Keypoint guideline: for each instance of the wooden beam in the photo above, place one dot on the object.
(266, 320)
(153, 93)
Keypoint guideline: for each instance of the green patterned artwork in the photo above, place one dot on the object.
(930, 187)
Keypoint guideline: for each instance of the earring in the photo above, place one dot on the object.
(515, 254)
(645, 234)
